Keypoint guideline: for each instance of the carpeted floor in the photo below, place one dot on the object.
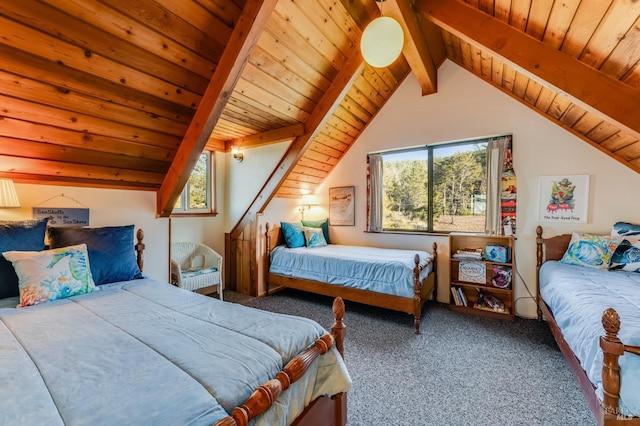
(462, 369)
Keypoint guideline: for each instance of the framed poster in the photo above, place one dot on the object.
(563, 198)
(341, 206)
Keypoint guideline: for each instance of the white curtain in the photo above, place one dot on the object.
(496, 149)
(375, 192)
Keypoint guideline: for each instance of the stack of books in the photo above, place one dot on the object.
(459, 298)
(468, 254)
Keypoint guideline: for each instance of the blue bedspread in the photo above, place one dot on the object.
(145, 352)
(577, 297)
(382, 270)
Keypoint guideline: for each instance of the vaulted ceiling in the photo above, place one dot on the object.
(126, 94)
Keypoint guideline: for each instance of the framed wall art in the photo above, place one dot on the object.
(342, 206)
(563, 198)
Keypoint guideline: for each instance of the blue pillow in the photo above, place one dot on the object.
(112, 256)
(25, 235)
(625, 228)
(324, 224)
(592, 251)
(314, 237)
(292, 232)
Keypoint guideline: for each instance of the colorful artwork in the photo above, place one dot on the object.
(564, 198)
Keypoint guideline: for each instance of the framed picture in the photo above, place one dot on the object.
(341, 206)
(563, 198)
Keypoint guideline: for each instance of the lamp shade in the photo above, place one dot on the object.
(8, 195)
(382, 42)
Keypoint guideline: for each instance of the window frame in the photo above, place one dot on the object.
(210, 210)
(430, 184)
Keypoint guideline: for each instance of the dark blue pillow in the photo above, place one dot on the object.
(112, 256)
(292, 233)
(25, 235)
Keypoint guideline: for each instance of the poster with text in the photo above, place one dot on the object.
(563, 198)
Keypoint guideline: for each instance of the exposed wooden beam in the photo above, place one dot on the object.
(415, 50)
(243, 39)
(215, 145)
(610, 97)
(272, 136)
(321, 113)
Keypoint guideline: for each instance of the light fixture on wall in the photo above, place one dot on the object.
(8, 194)
(382, 41)
(237, 155)
(306, 202)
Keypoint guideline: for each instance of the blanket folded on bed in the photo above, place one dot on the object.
(145, 352)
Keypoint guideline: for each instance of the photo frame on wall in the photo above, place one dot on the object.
(563, 198)
(342, 206)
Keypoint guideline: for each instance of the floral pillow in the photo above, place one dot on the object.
(314, 237)
(51, 274)
(592, 251)
(627, 256)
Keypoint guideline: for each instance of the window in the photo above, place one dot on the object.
(437, 188)
(197, 195)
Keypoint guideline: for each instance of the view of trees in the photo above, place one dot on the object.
(457, 178)
(198, 184)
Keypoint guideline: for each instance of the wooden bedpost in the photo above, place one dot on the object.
(612, 348)
(338, 330)
(435, 271)
(267, 255)
(139, 247)
(539, 242)
(417, 290)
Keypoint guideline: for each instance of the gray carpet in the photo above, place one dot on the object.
(462, 369)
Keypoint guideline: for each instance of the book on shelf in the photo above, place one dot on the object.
(454, 293)
(462, 296)
(468, 253)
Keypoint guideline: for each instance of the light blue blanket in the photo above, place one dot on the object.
(577, 297)
(145, 352)
(382, 270)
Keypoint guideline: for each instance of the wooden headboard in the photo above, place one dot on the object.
(274, 237)
(548, 249)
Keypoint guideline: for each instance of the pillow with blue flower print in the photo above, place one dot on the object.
(51, 274)
(314, 237)
(293, 236)
(592, 251)
(322, 223)
(625, 229)
(627, 256)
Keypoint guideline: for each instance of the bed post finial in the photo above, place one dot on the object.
(539, 242)
(612, 349)
(339, 330)
(139, 247)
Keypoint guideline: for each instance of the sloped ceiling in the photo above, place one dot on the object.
(126, 94)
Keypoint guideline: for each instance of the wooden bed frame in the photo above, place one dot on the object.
(411, 305)
(607, 411)
(322, 411)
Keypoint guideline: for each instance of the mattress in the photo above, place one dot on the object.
(145, 352)
(381, 270)
(577, 297)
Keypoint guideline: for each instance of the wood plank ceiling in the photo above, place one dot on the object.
(125, 94)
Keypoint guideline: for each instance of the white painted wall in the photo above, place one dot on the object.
(467, 107)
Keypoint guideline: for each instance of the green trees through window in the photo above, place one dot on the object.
(448, 181)
(197, 193)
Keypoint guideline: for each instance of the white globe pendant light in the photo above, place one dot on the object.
(382, 42)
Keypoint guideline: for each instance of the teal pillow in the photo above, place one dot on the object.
(292, 233)
(625, 228)
(593, 251)
(314, 237)
(323, 223)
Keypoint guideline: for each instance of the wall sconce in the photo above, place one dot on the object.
(8, 195)
(307, 201)
(382, 42)
(237, 155)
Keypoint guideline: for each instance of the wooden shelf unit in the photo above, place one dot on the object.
(459, 241)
